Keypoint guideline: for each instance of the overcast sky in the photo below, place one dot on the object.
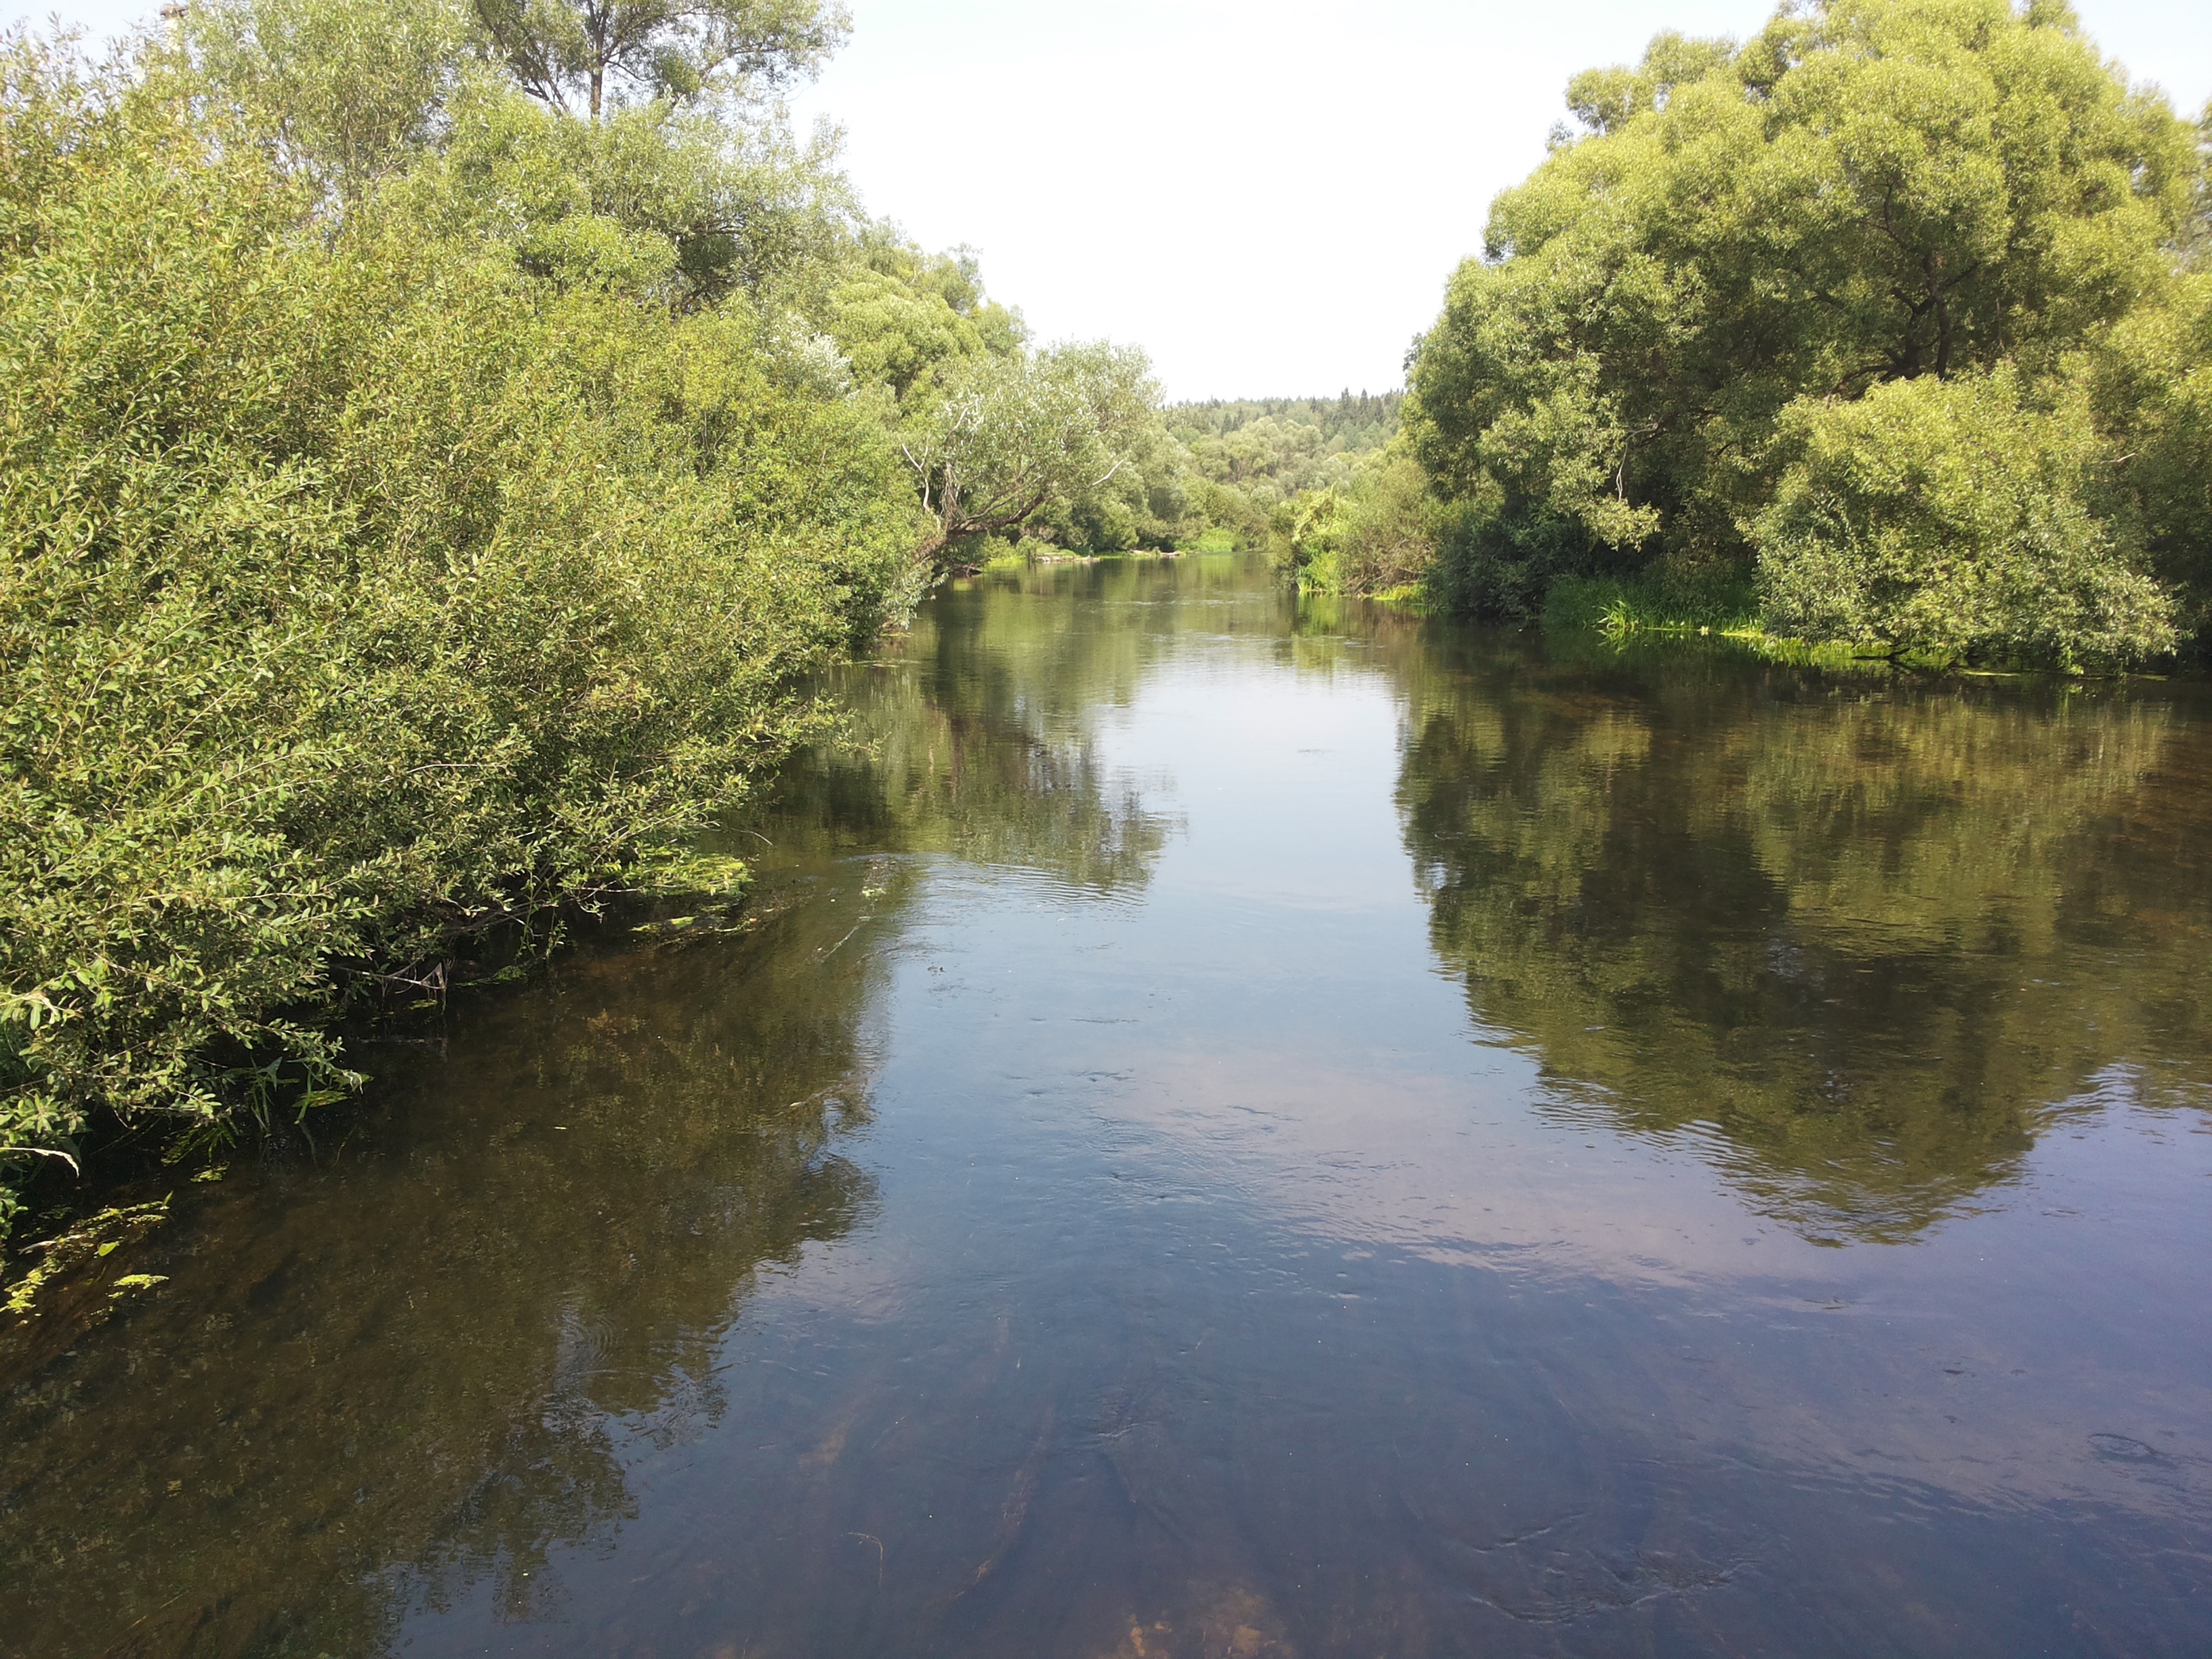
(1266, 195)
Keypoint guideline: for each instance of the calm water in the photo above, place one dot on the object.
(1242, 1130)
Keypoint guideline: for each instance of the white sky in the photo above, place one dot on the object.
(1266, 195)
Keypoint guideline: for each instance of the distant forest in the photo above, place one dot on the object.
(1363, 420)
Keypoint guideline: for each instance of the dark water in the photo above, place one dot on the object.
(1244, 1131)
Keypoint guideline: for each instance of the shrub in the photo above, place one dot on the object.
(1376, 535)
(1498, 567)
(367, 586)
(1951, 517)
(2155, 387)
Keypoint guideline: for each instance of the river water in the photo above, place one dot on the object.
(1231, 1127)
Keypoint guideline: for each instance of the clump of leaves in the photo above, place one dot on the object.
(90, 1240)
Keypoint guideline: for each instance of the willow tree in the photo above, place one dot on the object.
(373, 580)
(1014, 435)
(1869, 192)
(568, 52)
(347, 90)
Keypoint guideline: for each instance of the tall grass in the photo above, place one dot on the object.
(1723, 603)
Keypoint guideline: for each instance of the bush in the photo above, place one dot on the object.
(2155, 387)
(369, 585)
(1715, 599)
(1376, 535)
(1499, 566)
(1951, 517)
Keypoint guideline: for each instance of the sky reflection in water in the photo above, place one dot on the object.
(1251, 1129)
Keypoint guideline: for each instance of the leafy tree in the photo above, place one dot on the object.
(426, 510)
(348, 89)
(1375, 534)
(1389, 534)
(901, 315)
(348, 94)
(895, 335)
(1235, 463)
(2154, 388)
(716, 212)
(2195, 242)
(900, 334)
(566, 51)
(1012, 436)
(1869, 192)
(954, 276)
(1353, 422)
(1062, 445)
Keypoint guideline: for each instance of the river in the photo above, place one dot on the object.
(1238, 1126)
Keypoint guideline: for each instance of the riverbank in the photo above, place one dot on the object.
(1218, 1084)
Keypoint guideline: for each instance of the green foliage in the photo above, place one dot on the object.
(894, 335)
(1350, 422)
(345, 93)
(954, 277)
(1377, 534)
(568, 52)
(679, 206)
(2194, 243)
(1388, 538)
(1501, 566)
(1302, 535)
(1010, 438)
(1240, 459)
(373, 580)
(79, 1248)
(905, 320)
(427, 511)
(2155, 385)
(1201, 474)
(348, 89)
(1870, 191)
(1723, 602)
(1062, 445)
(1948, 517)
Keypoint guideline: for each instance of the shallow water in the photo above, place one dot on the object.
(1242, 1129)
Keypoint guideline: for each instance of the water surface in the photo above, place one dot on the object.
(1233, 1129)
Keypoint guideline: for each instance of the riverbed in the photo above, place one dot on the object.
(1230, 1125)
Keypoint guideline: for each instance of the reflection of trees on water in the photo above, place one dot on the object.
(404, 1375)
(975, 735)
(414, 1369)
(1862, 935)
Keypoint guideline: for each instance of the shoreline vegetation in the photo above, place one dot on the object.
(444, 445)
(446, 439)
(1888, 331)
